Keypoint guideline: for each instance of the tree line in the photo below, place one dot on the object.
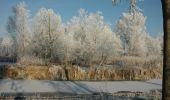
(86, 39)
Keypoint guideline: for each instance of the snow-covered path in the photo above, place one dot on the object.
(77, 87)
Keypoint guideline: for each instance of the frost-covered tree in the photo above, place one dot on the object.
(95, 37)
(132, 31)
(131, 28)
(69, 46)
(48, 30)
(18, 28)
(155, 45)
(118, 48)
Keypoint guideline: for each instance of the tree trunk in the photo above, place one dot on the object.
(166, 69)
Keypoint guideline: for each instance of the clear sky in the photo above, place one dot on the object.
(68, 8)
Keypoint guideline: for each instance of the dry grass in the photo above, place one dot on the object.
(121, 68)
(76, 73)
(105, 73)
(57, 72)
(28, 72)
(37, 72)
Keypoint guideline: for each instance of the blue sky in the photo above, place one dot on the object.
(68, 8)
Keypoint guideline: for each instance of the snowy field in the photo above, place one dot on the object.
(77, 87)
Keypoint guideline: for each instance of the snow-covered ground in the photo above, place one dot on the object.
(155, 81)
(77, 87)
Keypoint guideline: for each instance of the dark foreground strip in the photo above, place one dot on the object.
(69, 96)
(57, 96)
(8, 59)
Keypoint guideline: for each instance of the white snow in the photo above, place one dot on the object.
(155, 81)
(77, 87)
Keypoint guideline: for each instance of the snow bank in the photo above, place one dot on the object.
(77, 87)
(155, 81)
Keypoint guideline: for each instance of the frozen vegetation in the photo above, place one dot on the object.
(84, 48)
(53, 72)
(85, 42)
